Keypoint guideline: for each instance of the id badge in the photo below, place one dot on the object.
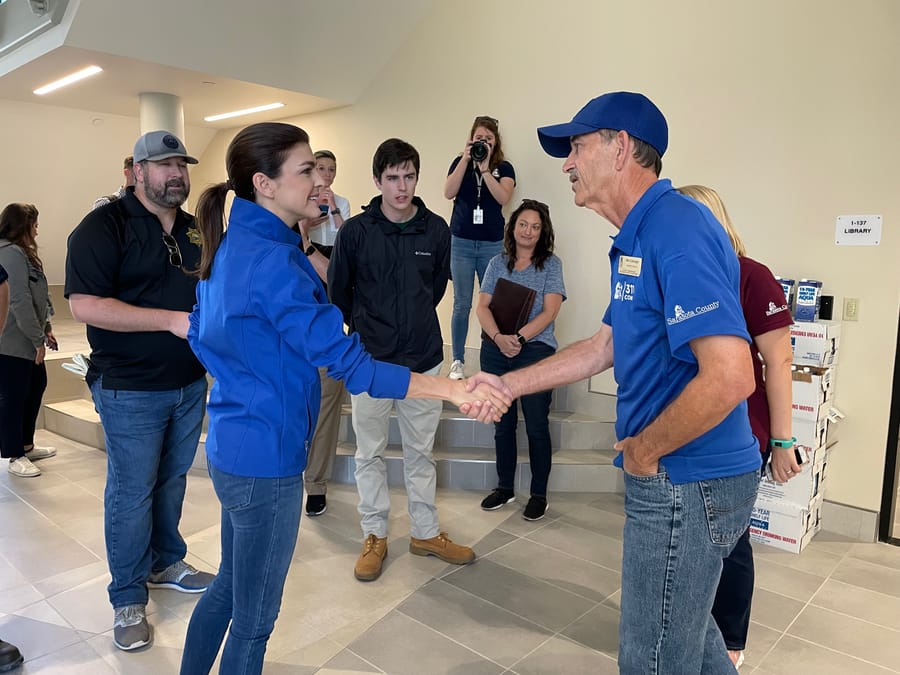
(478, 216)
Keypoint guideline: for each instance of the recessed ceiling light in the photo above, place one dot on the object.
(68, 79)
(246, 111)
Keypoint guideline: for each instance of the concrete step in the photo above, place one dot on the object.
(464, 449)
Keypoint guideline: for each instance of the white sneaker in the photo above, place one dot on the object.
(456, 370)
(23, 468)
(38, 452)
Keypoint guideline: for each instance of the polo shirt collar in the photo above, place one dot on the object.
(625, 239)
(254, 218)
(136, 209)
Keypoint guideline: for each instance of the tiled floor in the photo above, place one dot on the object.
(542, 597)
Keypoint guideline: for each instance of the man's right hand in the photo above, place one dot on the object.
(180, 324)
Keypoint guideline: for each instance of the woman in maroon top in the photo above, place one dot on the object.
(769, 406)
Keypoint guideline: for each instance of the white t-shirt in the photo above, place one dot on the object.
(326, 233)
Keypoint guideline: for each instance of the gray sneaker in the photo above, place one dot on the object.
(181, 577)
(130, 629)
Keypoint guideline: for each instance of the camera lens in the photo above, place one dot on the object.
(479, 151)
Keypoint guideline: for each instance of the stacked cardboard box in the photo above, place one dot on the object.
(787, 515)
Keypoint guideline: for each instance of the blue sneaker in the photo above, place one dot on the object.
(181, 577)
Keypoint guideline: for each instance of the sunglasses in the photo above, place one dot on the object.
(174, 252)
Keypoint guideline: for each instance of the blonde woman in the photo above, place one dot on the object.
(769, 406)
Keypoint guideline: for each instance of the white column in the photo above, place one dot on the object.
(162, 111)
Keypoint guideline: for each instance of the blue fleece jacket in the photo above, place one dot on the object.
(262, 325)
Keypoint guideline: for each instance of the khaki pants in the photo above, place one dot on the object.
(418, 420)
(324, 443)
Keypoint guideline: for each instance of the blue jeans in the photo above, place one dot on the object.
(535, 409)
(260, 519)
(151, 439)
(468, 257)
(675, 539)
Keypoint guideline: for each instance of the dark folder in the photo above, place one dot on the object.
(511, 305)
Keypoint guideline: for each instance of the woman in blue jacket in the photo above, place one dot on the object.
(262, 326)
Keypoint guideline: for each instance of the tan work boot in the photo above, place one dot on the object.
(368, 567)
(441, 547)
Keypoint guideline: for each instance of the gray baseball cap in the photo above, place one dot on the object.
(157, 145)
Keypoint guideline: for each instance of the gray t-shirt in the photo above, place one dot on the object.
(547, 280)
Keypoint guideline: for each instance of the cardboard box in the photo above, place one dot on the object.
(802, 488)
(816, 344)
(812, 389)
(811, 433)
(784, 525)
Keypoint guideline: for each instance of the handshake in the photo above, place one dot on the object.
(483, 397)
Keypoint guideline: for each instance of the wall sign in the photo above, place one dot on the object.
(858, 231)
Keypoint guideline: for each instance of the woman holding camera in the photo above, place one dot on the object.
(480, 182)
(528, 261)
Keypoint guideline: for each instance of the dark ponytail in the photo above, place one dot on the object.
(259, 148)
(210, 218)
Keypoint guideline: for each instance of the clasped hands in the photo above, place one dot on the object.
(508, 345)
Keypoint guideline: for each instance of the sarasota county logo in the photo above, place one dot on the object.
(681, 314)
(193, 235)
(774, 309)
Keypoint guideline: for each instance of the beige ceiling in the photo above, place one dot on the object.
(217, 55)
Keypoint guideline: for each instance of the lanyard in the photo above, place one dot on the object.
(479, 179)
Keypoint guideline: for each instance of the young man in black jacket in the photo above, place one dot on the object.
(388, 272)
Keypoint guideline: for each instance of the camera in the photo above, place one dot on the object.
(479, 151)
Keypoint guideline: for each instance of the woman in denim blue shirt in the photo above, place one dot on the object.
(527, 260)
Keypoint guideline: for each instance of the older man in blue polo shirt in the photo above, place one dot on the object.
(684, 369)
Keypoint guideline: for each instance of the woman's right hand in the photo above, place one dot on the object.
(508, 345)
(39, 356)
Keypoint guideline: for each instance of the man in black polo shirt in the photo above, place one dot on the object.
(126, 279)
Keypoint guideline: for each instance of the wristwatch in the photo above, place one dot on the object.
(310, 250)
(781, 443)
(521, 338)
(335, 212)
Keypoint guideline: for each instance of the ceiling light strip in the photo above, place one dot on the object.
(68, 79)
(246, 111)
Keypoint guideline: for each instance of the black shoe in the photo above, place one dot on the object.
(315, 505)
(499, 497)
(10, 657)
(536, 508)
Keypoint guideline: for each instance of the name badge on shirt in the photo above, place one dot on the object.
(630, 265)
(478, 216)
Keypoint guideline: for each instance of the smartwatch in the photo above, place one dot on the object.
(521, 338)
(781, 443)
(310, 250)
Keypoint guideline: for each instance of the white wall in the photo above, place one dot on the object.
(787, 108)
(61, 160)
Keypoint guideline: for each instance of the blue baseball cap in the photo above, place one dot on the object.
(620, 111)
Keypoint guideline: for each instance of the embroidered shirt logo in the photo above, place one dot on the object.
(194, 236)
(423, 253)
(683, 315)
(774, 309)
(624, 291)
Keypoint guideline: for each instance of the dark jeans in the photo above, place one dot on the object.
(536, 410)
(22, 385)
(734, 596)
(260, 520)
